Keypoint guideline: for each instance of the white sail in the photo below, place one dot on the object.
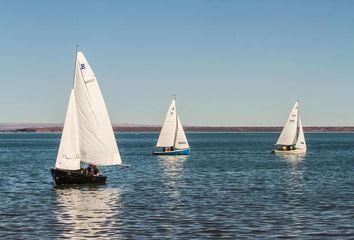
(181, 140)
(289, 133)
(97, 142)
(168, 131)
(69, 151)
(301, 143)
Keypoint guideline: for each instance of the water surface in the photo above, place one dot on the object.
(231, 186)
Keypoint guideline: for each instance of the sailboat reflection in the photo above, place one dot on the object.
(173, 167)
(295, 170)
(87, 212)
(293, 159)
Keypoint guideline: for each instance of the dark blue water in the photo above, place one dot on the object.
(231, 186)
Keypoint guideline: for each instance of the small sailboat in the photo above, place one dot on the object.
(172, 138)
(87, 134)
(292, 139)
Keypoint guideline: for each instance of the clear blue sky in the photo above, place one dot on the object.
(232, 63)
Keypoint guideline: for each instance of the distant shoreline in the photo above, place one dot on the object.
(187, 129)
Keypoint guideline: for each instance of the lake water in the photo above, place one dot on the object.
(231, 186)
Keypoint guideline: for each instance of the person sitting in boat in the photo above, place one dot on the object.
(89, 169)
(95, 170)
(167, 149)
(83, 170)
(92, 170)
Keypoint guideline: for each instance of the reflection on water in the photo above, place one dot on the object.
(173, 167)
(293, 158)
(87, 211)
(172, 164)
(295, 171)
(231, 187)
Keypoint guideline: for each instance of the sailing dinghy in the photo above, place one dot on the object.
(172, 139)
(292, 139)
(87, 134)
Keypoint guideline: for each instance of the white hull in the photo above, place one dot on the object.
(295, 151)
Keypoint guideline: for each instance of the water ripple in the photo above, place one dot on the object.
(230, 187)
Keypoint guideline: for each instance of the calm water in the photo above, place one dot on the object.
(229, 187)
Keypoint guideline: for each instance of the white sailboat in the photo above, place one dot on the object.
(172, 138)
(87, 134)
(292, 139)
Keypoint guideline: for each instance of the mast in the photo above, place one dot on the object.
(77, 50)
(176, 131)
(73, 90)
(297, 126)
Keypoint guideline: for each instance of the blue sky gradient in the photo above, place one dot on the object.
(230, 63)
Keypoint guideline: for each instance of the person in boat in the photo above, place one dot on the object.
(167, 149)
(83, 170)
(92, 170)
(89, 169)
(95, 170)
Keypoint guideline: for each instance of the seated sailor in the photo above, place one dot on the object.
(92, 170)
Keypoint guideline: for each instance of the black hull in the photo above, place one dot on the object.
(75, 177)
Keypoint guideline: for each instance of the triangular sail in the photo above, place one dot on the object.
(97, 141)
(301, 143)
(69, 150)
(168, 131)
(289, 133)
(181, 140)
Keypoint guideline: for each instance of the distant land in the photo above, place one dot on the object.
(125, 127)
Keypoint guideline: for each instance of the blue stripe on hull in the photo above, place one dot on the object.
(173, 153)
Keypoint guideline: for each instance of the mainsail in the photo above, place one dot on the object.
(172, 133)
(88, 121)
(289, 134)
(168, 131)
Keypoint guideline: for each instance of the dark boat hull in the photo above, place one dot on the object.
(61, 177)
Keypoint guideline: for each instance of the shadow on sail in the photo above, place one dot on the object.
(88, 212)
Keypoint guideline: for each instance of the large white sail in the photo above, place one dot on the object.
(96, 137)
(289, 133)
(69, 151)
(301, 143)
(181, 140)
(168, 131)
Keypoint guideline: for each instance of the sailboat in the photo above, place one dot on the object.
(87, 134)
(172, 138)
(292, 138)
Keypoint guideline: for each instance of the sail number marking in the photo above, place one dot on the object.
(74, 156)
